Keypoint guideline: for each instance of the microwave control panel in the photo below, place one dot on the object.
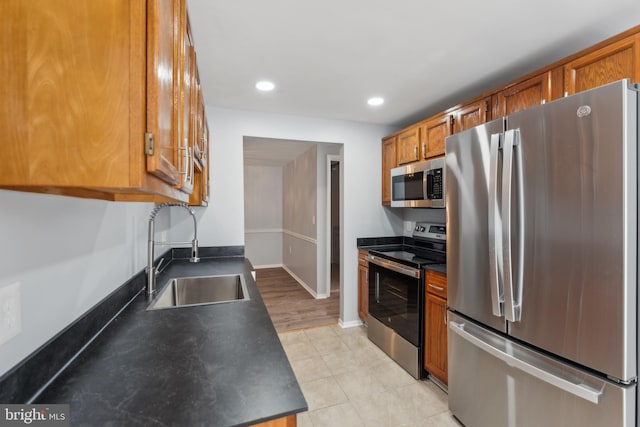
(434, 184)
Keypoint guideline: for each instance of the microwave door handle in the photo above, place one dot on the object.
(427, 179)
(494, 226)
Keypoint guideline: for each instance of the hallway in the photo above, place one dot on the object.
(291, 306)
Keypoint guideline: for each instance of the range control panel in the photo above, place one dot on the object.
(430, 230)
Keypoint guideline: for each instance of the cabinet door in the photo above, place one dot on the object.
(435, 354)
(162, 42)
(388, 163)
(616, 61)
(436, 283)
(471, 115)
(408, 146)
(363, 291)
(531, 92)
(434, 133)
(185, 108)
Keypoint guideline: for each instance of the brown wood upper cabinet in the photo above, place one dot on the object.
(185, 108)
(408, 146)
(527, 94)
(613, 62)
(471, 115)
(388, 162)
(433, 133)
(163, 37)
(92, 105)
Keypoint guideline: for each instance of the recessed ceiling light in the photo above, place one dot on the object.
(375, 101)
(265, 86)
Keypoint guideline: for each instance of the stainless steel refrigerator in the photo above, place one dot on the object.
(542, 256)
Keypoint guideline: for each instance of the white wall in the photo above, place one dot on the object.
(67, 254)
(263, 215)
(300, 218)
(363, 215)
(413, 215)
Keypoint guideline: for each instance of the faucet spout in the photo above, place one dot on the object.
(152, 271)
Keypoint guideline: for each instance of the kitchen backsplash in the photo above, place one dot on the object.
(413, 215)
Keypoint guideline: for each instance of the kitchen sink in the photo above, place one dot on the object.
(192, 291)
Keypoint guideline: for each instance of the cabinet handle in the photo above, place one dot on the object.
(415, 151)
(187, 171)
(424, 150)
(437, 288)
(185, 157)
(191, 164)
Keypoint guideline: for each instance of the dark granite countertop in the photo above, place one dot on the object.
(213, 365)
(440, 268)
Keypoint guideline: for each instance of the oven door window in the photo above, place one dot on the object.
(408, 187)
(394, 300)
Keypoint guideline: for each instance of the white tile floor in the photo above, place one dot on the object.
(348, 381)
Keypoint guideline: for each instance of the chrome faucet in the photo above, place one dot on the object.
(152, 271)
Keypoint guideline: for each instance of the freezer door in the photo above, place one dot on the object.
(469, 262)
(495, 382)
(577, 261)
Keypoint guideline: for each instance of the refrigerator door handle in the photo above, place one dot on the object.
(580, 390)
(495, 230)
(512, 288)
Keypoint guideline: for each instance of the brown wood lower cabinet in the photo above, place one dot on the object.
(435, 326)
(289, 421)
(363, 285)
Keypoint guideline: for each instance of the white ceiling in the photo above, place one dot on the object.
(327, 57)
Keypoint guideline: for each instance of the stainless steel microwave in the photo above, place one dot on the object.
(418, 185)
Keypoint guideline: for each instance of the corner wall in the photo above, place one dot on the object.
(300, 219)
(263, 206)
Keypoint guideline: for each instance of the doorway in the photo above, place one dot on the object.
(333, 223)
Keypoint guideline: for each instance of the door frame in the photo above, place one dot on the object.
(329, 242)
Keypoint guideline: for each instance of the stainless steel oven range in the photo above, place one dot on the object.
(396, 294)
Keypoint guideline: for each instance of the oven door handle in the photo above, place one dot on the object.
(394, 266)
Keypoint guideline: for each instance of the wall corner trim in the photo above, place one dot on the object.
(301, 282)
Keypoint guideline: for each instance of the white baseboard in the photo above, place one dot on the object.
(258, 267)
(352, 324)
(301, 282)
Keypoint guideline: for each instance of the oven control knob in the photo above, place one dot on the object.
(417, 228)
(422, 229)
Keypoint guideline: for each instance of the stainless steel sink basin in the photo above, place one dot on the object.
(190, 291)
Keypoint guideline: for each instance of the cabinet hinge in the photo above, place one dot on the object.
(149, 142)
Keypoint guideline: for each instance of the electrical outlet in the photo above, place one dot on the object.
(10, 317)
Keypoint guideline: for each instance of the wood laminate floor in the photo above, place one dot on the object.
(290, 305)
